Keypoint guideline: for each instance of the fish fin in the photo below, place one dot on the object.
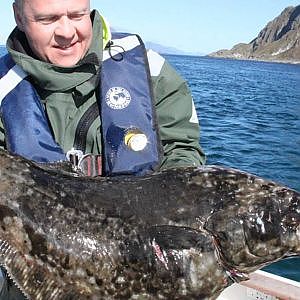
(21, 271)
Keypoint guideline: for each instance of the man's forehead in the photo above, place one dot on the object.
(56, 6)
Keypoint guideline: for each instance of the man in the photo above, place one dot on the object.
(69, 90)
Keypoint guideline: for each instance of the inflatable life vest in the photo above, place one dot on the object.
(131, 143)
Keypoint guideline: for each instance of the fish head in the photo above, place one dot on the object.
(259, 226)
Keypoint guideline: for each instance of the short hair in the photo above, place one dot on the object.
(19, 3)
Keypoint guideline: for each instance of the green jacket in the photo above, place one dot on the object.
(67, 93)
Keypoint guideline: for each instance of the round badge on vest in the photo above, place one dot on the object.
(117, 98)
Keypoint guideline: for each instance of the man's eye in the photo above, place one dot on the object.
(76, 16)
(47, 20)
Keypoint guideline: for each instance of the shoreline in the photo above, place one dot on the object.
(292, 62)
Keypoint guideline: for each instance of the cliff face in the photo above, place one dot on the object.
(278, 41)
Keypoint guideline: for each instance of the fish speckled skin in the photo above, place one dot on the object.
(177, 234)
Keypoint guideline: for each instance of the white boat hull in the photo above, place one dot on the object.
(263, 286)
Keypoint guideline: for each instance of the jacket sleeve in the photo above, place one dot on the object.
(176, 116)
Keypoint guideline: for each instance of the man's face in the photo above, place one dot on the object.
(58, 31)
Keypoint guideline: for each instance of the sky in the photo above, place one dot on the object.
(197, 26)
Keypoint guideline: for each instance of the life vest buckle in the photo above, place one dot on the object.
(74, 157)
(91, 165)
(87, 164)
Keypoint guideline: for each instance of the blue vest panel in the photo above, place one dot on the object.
(27, 132)
(127, 106)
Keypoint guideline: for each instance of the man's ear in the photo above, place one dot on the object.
(18, 17)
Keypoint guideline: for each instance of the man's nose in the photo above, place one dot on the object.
(65, 28)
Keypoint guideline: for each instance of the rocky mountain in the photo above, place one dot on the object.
(278, 41)
(162, 49)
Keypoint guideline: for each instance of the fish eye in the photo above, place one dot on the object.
(291, 219)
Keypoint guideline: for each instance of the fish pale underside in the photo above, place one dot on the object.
(177, 234)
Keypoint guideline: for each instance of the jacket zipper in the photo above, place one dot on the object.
(84, 125)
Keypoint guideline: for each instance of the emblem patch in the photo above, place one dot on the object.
(117, 98)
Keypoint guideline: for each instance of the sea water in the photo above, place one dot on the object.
(249, 114)
(2, 50)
